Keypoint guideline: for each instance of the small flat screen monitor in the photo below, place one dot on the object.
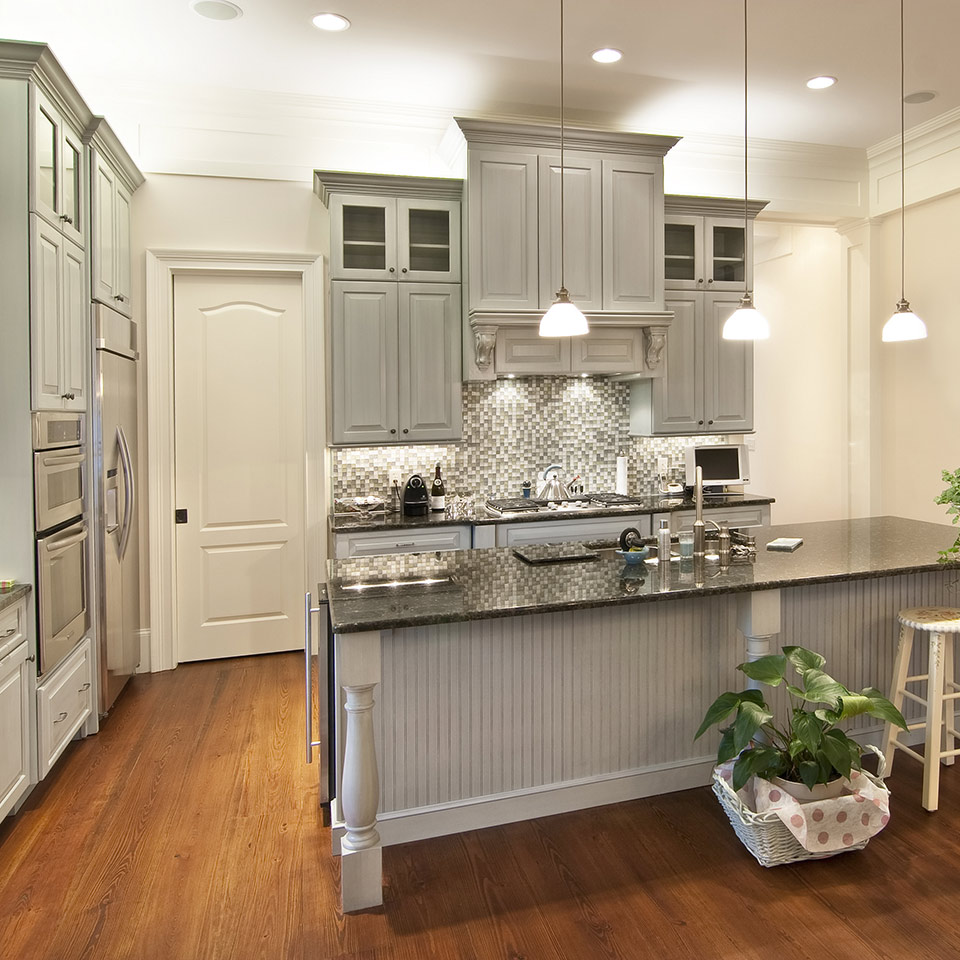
(723, 464)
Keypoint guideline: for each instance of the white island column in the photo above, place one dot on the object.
(358, 672)
(758, 619)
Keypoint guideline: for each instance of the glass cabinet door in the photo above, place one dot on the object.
(47, 136)
(727, 254)
(429, 239)
(683, 267)
(365, 231)
(71, 196)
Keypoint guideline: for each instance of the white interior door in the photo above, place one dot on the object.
(240, 455)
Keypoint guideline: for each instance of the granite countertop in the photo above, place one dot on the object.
(479, 517)
(11, 595)
(494, 583)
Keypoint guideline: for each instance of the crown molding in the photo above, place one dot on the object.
(677, 204)
(328, 182)
(99, 134)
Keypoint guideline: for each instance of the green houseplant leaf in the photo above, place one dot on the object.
(724, 705)
(804, 659)
(769, 670)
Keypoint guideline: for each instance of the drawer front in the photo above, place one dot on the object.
(748, 516)
(15, 724)
(64, 701)
(563, 531)
(521, 350)
(408, 541)
(12, 632)
(607, 350)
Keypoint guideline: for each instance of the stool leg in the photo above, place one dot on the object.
(931, 753)
(901, 667)
(949, 706)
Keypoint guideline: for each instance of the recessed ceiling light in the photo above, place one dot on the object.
(606, 55)
(331, 21)
(821, 83)
(216, 9)
(920, 96)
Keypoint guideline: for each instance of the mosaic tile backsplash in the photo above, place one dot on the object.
(512, 430)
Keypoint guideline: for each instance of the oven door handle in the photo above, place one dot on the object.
(54, 461)
(129, 491)
(57, 544)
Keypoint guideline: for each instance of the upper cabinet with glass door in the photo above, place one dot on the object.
(706, 246)
(379, 237)
(58, 183)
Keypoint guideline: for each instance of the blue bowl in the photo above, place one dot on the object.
(633, 556)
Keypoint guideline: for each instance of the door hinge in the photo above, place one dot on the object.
(180, 516)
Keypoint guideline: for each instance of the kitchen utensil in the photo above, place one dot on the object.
(552, 487)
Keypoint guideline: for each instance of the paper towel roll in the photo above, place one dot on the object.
(621, 484)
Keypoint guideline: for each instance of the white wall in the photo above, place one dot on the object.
(799, 449)
(921, 401)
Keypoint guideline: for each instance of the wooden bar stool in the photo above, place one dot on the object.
(941, 623)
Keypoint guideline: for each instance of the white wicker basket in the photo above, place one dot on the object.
(765, 835)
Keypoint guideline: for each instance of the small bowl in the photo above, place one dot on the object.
(633, 556)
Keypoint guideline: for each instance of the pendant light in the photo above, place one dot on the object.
(904, 324)
(746, 322)
(564, 318)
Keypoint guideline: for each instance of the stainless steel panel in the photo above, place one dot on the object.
(52, 430)
(59, 485)
(116, 333)
(61, 592)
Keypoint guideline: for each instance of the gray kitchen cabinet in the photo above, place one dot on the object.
(566, 531)
(502, 230)
(394, 238)
(17, 677)
(112, 185)
(395, 356)
(418, 540)
(396, 370)
(740, 517)
(707, 386)
(58, 319)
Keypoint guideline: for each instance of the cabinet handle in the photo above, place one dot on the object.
(68, 396)
(63, 716)
(119, 297)
(86, 686)
(410, 543)
(9, 633)
(66, 218)
(393, 429)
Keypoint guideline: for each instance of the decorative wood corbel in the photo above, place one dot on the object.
(654, 340)
(485, 340)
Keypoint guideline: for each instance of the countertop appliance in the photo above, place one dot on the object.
(117, 540)
(416, 497)
(721, 464)
(586, 501)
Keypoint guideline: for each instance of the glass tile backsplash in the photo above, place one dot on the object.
(512, 430)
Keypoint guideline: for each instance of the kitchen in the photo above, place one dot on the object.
(848, 410)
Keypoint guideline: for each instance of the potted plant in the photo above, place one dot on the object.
(806, 747)
(951, 496)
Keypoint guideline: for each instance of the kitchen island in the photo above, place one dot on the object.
(506, 690)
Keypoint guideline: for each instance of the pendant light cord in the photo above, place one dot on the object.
(562, 178)
(902, 164)
(746, 287)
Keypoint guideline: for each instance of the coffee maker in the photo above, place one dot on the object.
(416, 497)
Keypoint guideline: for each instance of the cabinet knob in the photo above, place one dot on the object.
(31, 658)
(118, 297)
(403, 269)
(405, 430)
(710, 280)
(700, 280)
(393, 429)
(393, 270)
(700, 423)
(710, 423)
(66, 218)
(68, 396)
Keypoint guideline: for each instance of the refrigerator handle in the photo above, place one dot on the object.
(129, 491)
(309, 610)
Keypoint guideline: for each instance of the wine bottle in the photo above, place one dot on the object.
(438, 494)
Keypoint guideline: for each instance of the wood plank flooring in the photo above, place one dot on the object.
(188, 829)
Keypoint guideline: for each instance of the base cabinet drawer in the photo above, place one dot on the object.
(64, 701)
(756, 515)
(378, 543)
(15, 724)
(563, 531)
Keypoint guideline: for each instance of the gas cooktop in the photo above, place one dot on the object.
(586, 501)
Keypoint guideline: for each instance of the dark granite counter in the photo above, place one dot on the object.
(10, 596)
(477, 517)
(483, 584)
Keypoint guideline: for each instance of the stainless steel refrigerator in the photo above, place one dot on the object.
(117, 539)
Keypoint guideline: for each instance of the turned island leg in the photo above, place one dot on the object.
(358, 673)
(758, 619)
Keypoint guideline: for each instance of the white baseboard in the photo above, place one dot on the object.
(145, 665)
(403, 826)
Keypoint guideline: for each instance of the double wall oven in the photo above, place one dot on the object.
(60, 526)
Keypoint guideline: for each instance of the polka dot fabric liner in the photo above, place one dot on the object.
(822, 826)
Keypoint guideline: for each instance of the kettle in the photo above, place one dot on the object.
(552, 488)
(416, 497)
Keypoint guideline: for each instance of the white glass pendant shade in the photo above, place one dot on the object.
(904, 325)
(563, 319)
(746, 322)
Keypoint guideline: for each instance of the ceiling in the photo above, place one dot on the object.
(682, 70)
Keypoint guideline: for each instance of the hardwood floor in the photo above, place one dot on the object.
(188, 829)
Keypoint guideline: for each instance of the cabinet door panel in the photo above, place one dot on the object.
(728, 371)
(582, 271)
(15, 723)
(72, 194)
(522, 351)
(104, 234)
(45, 186)
(683, 263)
(121, 295)
(429, 365)
(365, 238)
(632, 234)
(73, 328)
(607, 350)
(728, 253)
(364, 370)
(428, 240)
(502, 203)
(46, 291)
(678, 394)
